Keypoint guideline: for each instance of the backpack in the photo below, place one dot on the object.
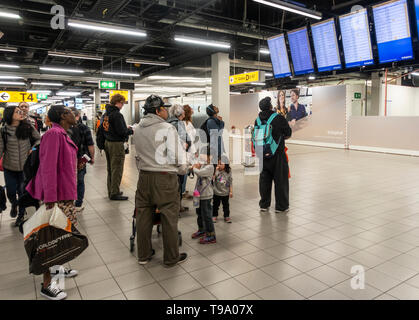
(262, 136)
(100, 134)
(30, 168)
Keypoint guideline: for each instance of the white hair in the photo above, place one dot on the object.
(176, 110)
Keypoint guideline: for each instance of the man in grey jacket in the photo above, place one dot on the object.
(160, 158)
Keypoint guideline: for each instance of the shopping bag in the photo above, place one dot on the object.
(1, 164)
(50, 239)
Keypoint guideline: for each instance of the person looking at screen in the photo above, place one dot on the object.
(297, 111)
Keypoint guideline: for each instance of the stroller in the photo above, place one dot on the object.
(156, 222)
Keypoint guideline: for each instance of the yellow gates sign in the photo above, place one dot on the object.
(244, 78)
(16, 96)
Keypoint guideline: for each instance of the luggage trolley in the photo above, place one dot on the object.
(156, 222)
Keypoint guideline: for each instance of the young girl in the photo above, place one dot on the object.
(223, 191)
(204, 172)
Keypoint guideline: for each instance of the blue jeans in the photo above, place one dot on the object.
(14, 186)
(80, 187)
(204, 212)
(185, 179)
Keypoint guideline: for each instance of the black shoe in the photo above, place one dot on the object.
(13, 211)
(120, 194)
(52, 292)
(182, 258)
(153, 252)
(18, 221)
(119, 198)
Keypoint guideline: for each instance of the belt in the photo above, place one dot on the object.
(156, 172)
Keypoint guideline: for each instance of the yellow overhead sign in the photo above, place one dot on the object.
(244, 78)
(16, 96)
(121, 92)
(103, 106)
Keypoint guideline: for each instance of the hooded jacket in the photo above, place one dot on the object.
(215, 129)
(158, 146)
(118, 130)
(280, 127)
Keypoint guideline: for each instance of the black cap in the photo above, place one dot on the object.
(265, 104)
(153, 102)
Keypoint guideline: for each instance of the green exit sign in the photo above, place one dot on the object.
(42, 96)
(357, 95)
(107, 85)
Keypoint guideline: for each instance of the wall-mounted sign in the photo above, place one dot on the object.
(42, 96)
(124, 93)
(107, 84)
(16, 96)
(103, 106)
(357, 95)
(245, 78)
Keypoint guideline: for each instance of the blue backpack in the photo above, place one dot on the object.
(262, 137)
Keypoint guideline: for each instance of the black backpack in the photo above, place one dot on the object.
(100, 134)
(30, 168)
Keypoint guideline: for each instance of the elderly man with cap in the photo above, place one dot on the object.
(276, 167)
(160, 158)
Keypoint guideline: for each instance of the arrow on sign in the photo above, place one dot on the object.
(4, 96)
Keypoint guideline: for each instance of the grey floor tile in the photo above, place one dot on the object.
(279, 292)
(180, 285)
(405, 292)
(329, 294)
(200, 294)
(256, 280)
(328, 275)
(236, 266)
(99, 290)
(150, 292)
(303, 262)
(228, 290)
(281, 271)
(134, 280)
(210, 275)
(305, 285)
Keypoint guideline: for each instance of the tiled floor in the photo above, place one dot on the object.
(347, 208)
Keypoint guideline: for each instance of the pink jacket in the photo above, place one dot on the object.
(56, 179)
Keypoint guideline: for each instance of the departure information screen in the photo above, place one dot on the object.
(300, 51)
(392, 29)
(326, 45)
(356, 39)
(279, 56)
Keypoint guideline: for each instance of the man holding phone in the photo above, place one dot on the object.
(82, 137)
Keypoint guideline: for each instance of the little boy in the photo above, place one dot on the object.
(204, 172)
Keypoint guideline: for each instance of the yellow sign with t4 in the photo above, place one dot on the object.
(16, 96)
(124, 93)
(245, 78)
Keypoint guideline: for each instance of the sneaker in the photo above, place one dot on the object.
(80, 209)
(153, 252)
(13, 211)
(68, 273)
(52, 292)
(264, 209)
(214, 219)
(207, 240)
(228, 220)
(182, 258)
(198, 234)
(281, 211)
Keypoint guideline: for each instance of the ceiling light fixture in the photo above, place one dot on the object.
(74, 55)
(415, 74)
(105, 28)
(10, 77)
(13, 83)
(203, 42)
(122, 74)
(52, 84)
(311, 78)
(68, 93)
(269, 74)
(154, 63)
(258, 83)
(264, 51)
(61, 70)
(292, 8)
(9, 15)
(8, 49)
(11, 66)
(39, 91)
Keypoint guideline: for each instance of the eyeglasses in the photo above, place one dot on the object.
(18, 111)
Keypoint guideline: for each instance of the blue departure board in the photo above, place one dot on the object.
(356, 39)
(326, 45)
(392, 28)
(279, 56)
(300, 51)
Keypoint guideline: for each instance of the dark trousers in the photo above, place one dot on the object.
(204, 219)
(276, 170)
(216, 205)
(181, 181)
(159, 190)
(115, 158)
(80, 187)
(14, 187)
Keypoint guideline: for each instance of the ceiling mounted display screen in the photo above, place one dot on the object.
(279, 56)
(417, 14)
(391, 20)
(356, 39)
(326, 45)
(300, 51)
